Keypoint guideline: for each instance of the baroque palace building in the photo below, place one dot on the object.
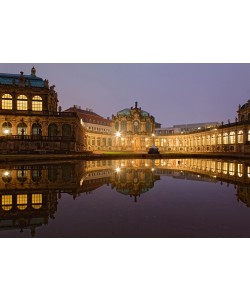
(31, 121)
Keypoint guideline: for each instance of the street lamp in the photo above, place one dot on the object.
(118, 134)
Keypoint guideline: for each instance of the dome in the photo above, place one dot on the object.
(124, 112)
(127, 112)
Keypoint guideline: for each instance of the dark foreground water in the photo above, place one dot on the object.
(126, 198)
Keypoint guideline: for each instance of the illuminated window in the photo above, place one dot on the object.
(224, 168)
(240, 170)
(6, 101)
(213, 166)
(248, 172)
(231, 169)
(22, 105)
(6, 176)
(225, 138)
(219, 139)
(21, 129)
(22, 201)
(6, 202)
(213, 140)
(37, 104)
(219, 167)
(232, 138)
(248, 136)
(6, 128)
(240, 136)
(22, 175)
(37, 200)
(208, 140)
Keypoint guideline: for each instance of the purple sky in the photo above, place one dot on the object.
(173, 93)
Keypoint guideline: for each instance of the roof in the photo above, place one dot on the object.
(90, 116)
(30, 80)
(127, 111)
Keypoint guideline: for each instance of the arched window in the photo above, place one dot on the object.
(7, 128)
(6, 176)
(148, 127)
(6, 202)
(66, 172)
(136, 127)
(36, 129)
(213, 140)
(37, 200)
(232, 138)
(21, 129)
(219, 139)
(225, 138)
(6, 101)
(36, 174)
(231, 169)
(117, 126)
(52, 173)
(22, 201)
(37, 104)
(66, 130)
(22, 175)
(240, 137)
(124, 126)
(240, 170)
(208, 139)
(52, 130)
(22, 102)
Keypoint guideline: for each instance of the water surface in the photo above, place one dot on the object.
(126, 198)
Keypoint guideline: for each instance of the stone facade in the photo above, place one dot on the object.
(30, 120)
(134, 129)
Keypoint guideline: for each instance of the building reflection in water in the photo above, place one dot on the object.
(30, 193)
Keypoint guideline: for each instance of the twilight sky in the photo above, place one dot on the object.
(173, 93)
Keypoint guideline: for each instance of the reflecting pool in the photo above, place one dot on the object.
(126, 198)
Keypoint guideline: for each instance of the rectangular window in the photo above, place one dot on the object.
(22, 105)
(6, 199)
(22, 199)
(37, 198)
(6, 104)
(37, 106)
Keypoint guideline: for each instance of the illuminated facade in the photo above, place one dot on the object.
(134, 129)
(30, 120)
(30, 194)
(231, 137)
(98, 130)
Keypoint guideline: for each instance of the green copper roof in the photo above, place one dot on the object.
(126, 112)
(12, 79)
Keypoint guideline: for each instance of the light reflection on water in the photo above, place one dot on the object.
(126, 198)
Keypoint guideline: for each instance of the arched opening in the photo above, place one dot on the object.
(22, 129)
(7, 128)
(66, 130)
(36, 129)
(52, 130)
